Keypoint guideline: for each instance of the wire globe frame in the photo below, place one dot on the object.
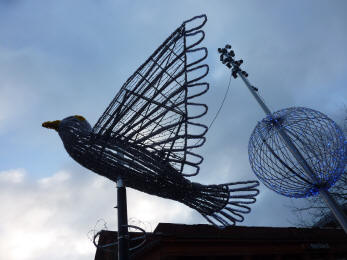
(319, 140)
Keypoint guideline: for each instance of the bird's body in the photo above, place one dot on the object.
(147, 135)
(115, 160)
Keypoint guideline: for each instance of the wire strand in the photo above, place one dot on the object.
(220, 107)
(222, 104)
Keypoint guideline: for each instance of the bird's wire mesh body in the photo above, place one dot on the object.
(319, 140)
(148, 133)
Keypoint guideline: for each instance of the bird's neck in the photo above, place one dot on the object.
(75, 141)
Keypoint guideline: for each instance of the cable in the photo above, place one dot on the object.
(221, 105)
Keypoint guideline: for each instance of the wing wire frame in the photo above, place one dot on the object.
(156, 110)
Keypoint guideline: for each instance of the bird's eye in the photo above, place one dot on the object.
(81, 118)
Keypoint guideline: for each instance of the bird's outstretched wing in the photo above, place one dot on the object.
(155, 110)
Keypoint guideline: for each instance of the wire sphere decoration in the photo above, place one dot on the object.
(319, 140)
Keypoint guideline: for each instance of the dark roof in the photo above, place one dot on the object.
(223, 240)
(242, 232)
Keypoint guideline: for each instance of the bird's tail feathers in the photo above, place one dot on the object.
(236, 199)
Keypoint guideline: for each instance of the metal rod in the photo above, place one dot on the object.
(255, 95)
(335, 208)
(288, 142)
(297, 155)
(331, 203)
(123, 242)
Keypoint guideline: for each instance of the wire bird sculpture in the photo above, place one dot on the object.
(297, 152)
(148, 133)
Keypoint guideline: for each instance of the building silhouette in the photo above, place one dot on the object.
(205, 242)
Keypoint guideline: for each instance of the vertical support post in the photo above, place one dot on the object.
(123, 242)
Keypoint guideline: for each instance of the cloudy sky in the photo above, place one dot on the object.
(60, 58)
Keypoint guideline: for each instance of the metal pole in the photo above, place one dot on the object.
(123, 243)
(335, 208)
(255, 95)
(329, 200)
(331, 203)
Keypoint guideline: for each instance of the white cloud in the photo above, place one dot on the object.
(50, 218)
(59, 177)
(31, 225)
(12, 176)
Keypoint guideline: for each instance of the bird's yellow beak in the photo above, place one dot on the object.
(52, 124)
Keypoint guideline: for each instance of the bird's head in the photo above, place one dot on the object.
(73, 131)
(70, 123)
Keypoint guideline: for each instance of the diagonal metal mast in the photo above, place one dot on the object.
(227, 58)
